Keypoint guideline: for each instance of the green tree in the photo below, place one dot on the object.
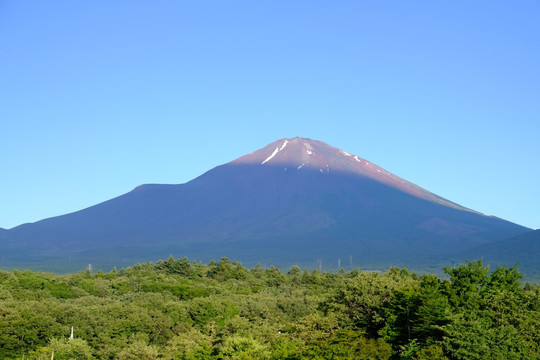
(190, 344)
(360, 302)
(431, 352)
(491, 319)
(244, 348)
(350, 345)
(138, 350)
(417, 313)
(64, 349)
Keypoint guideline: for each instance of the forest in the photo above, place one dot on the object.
(179, 309)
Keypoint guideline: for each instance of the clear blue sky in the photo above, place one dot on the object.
(97, 97)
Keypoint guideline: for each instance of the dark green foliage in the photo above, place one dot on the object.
(348, 344)
(491, 316)
(175, 309)
(175, 266)
(417, 313)
(431, 352)
(362, 299)
(224, 270)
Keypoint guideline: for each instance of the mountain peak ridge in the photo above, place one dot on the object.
(299, 153)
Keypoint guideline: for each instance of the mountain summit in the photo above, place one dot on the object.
(302, 153)
(295, 201)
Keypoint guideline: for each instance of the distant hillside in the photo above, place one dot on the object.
(295, 201)
(524, 248)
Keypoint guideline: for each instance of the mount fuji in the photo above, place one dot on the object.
(295, 201)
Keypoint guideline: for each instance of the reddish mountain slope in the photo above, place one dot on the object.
(300, 153)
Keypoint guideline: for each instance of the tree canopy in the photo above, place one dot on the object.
(177, 309)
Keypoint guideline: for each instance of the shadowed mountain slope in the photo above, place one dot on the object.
(524, 248)
(295, 201)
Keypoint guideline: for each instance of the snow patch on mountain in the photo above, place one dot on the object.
(271, 156)
(276, 150)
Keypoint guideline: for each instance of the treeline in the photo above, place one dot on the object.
(177, 309)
